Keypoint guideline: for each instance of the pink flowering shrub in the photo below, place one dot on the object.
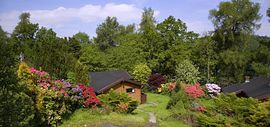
(167, 89)
(54, 99)
(40, 76)
(172, 86)
(194, 91)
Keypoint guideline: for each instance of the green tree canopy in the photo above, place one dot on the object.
(149, 37)
(141, 72)
(107, 33)
(233, 19)
(235, 22)
(23, 35)
(81, 37)
(174, 44)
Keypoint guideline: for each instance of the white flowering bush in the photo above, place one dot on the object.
(213, 89)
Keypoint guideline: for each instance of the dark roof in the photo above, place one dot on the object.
(102, 81)
(258, 87)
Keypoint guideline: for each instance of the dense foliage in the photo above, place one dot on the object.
(155, 81)
(235, 111)
(141, 73)
(186, 72)
(166, 49)
(52, 100)
(118, 102)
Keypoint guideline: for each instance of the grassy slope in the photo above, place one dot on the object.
(155, 103)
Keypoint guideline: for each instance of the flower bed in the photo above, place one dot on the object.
(54, 99)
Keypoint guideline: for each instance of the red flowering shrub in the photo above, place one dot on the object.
(90, 99)
(194, 91)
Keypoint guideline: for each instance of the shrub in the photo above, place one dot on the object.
(79, 74)
(16, 109)
(186, 72)
(194, 91)
(118, 102)
(54, 99)
(132, 106)
(175, 98)
(155, 80)
(168, 88)
(213, 89)
(230, 110)
(185, 102)
(141, 72)
(180, 106)
(89, 96)
(261, 115)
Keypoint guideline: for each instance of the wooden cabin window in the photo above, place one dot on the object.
(130, 90)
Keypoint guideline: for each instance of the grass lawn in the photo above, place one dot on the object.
(84, 117)
(156, 103)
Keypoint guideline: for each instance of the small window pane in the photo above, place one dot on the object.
(130, 90)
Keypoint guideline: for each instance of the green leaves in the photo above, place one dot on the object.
(107, 33)
(186, 72)
(141, 72)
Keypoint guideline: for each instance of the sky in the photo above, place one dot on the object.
(68, 17)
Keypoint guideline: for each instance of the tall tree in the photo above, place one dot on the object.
(233, 19)
(94, 58)
(23, 35)
(149, 37)
(234, 22)
(261, 56)
(51, 54)
(107, 33)
(174, 44)
(148, 21)
(74, 46)
(125, 56)
(205, 57)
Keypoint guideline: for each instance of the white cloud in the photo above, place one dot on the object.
(57, 18)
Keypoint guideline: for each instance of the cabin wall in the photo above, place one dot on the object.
(122, 88)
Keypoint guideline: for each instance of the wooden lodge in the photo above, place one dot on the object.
(119, 81)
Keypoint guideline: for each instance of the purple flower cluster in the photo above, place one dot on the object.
(67, 84)
(76, 89)
(213, 89)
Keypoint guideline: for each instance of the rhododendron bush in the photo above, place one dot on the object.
(167, 89)
(194, 91)
(213, 89)
(54, 98)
